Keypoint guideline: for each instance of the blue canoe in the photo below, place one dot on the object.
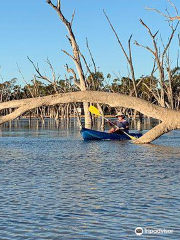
(89, 134)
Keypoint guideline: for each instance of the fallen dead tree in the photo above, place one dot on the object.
(170, 119)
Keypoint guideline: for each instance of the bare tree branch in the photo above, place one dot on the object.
(58, 5)
(148, 48)
(170, 18)
(116, 36)
(150, 90)
(72, 17)
(51, 4)
(87, 44)
(154, 69)
(70, 70)
(19, 70)
(52, 70)
(39, 73)
(173, 6)
(169, 42)
(45, 77)
(129, 58)
(88, 70)
(69, 55)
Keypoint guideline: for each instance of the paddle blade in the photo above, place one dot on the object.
(133, 138)
(94, 110)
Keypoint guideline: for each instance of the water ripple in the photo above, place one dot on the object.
(56, 186)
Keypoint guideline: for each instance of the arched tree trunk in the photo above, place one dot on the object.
(170, 118)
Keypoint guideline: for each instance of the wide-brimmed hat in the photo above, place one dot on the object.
(119, 114)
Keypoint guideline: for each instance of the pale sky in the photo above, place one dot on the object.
(32, 28)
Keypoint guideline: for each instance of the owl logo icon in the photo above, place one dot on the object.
(139, 231)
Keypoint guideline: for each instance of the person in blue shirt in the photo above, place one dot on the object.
(120, 126)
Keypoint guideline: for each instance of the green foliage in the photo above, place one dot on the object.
(175, 80)
(147, 86)
(95, 81)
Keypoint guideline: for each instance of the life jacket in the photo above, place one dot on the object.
(122, 124)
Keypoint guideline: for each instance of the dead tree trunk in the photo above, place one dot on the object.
(159, 59)
(76, 54)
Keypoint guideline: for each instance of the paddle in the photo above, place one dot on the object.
(95, 111)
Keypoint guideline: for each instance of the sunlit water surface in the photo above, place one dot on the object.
(54, 185)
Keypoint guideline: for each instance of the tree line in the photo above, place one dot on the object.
(147, 89)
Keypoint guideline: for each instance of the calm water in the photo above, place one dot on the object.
(54, 185)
